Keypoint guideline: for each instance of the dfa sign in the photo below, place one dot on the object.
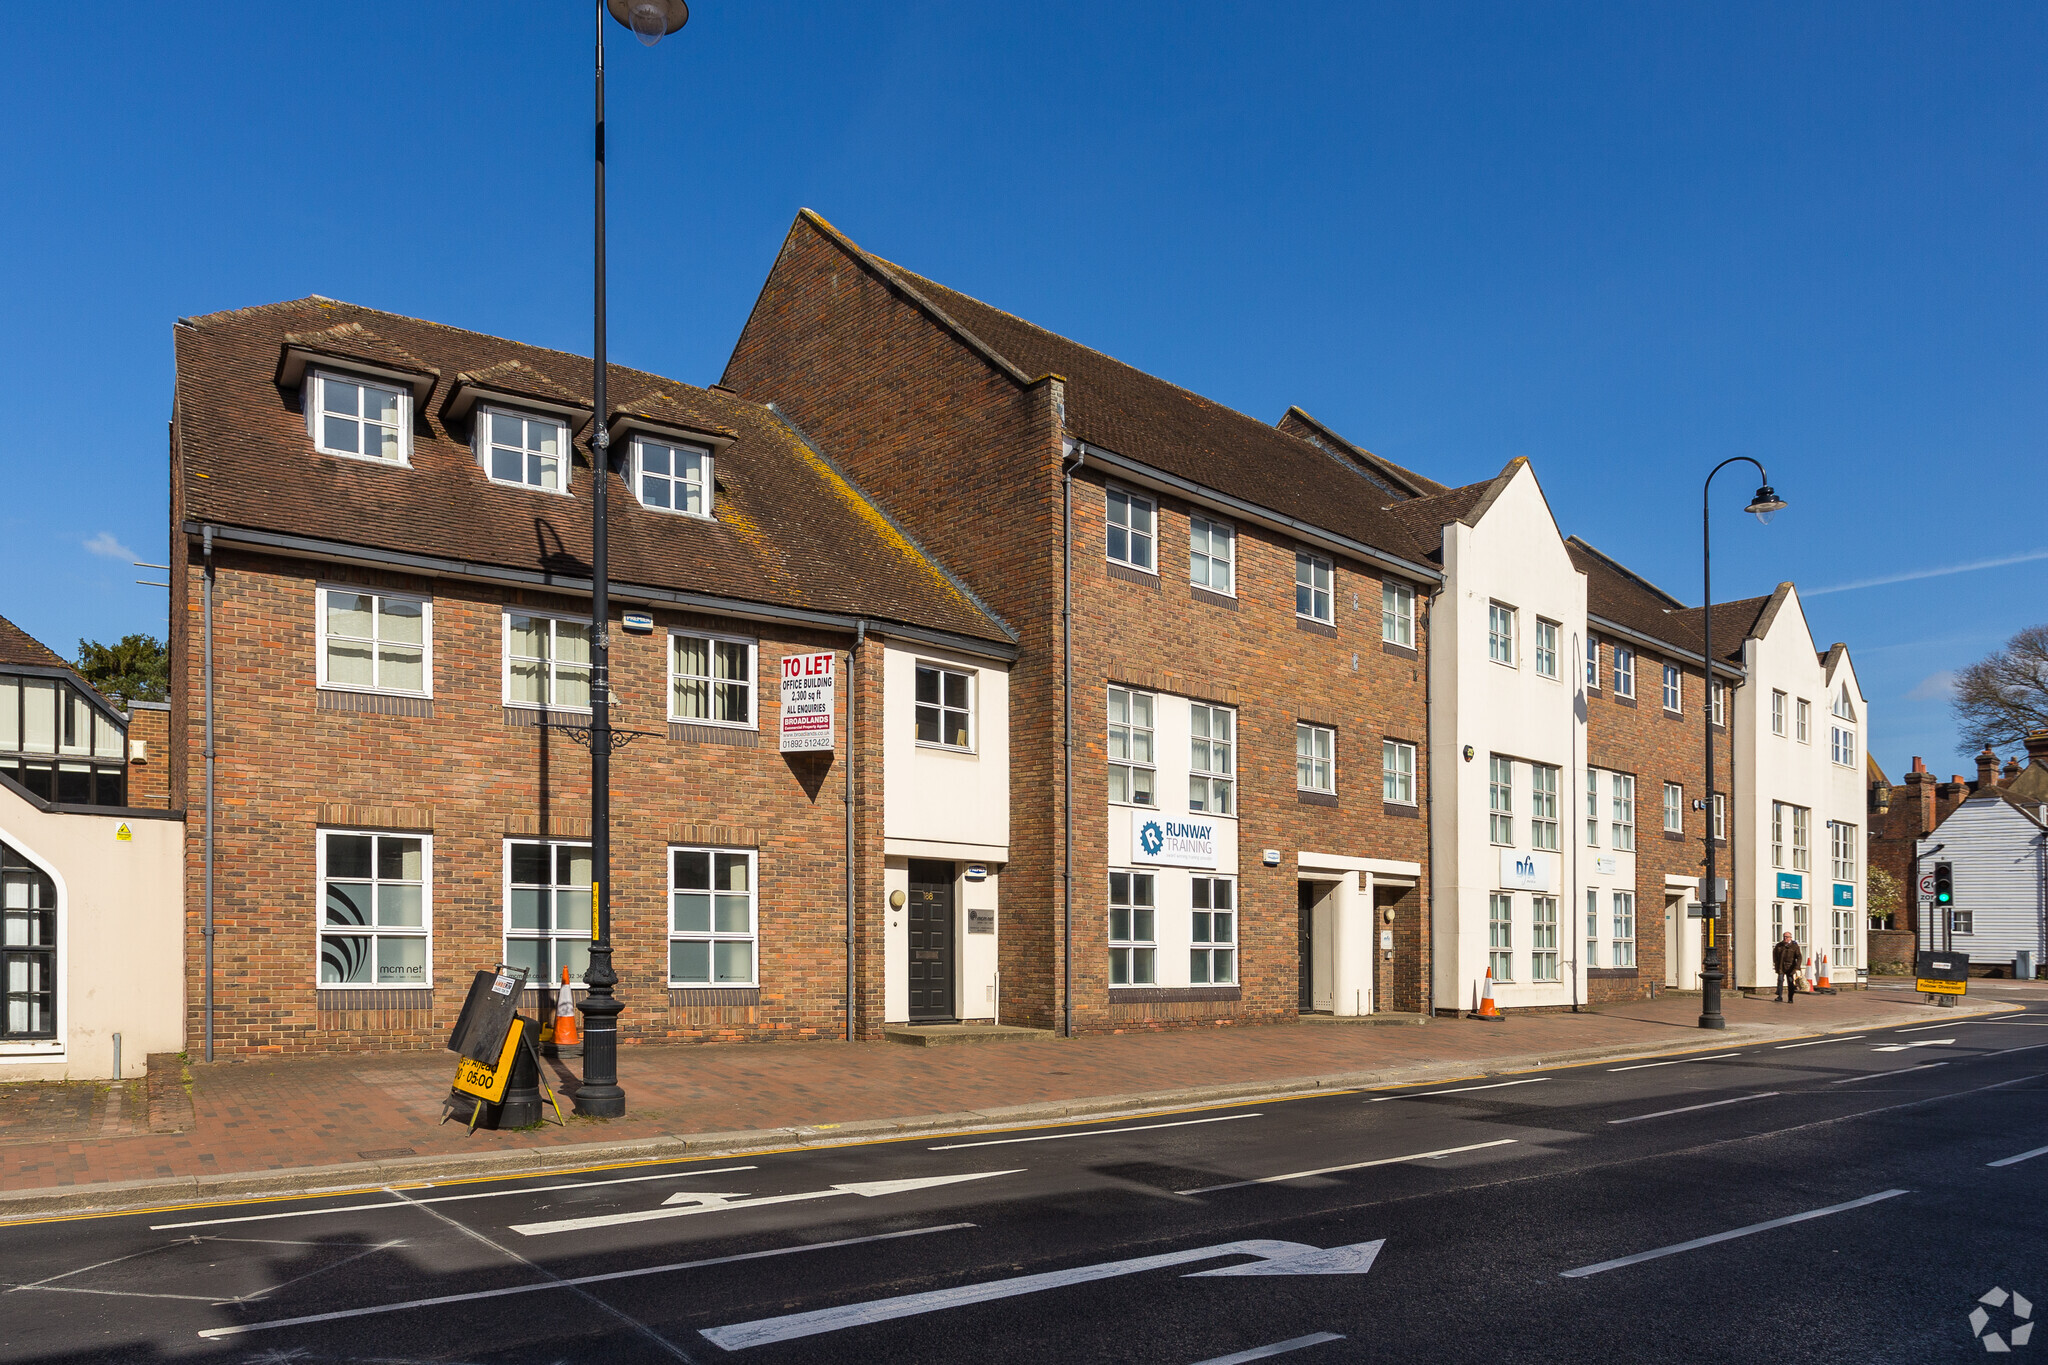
(1527, 871)
(1173, 842)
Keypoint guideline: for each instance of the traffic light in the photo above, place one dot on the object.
(1944, 886)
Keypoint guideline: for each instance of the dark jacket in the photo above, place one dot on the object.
(1787, 957)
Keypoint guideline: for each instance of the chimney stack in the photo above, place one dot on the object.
(2037, 746)
(1987, 771)
(2008, 772)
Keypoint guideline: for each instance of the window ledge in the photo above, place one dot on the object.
(530, 487)
(1226, 600)
(1675, 835)
(1628, 701)
(1406, 810)
(948, 749)
(1145, 995)
(1670, 714)
(1399, 651)
(1308, 798)
(1314, 627)
(375, 703)
(1125, 573)
(700, 732)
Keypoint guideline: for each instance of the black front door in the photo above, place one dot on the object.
(1305, 904)
(931, 941)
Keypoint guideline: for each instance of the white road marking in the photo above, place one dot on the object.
(2021, 1023)
(1278, 1348)
(447, 1198)
(684, 1205)
(1929, 1028)
(2023, 1156)
(1873, 1075)
(1698, 1242)
(1642, 1066)
(1818, 1041)
(1093, 1132)
(1713, 1104)
(2031, 1047)
(1275, 1258)
(1354, 1166)
(1918, 1042)
(246, 1328)
(1425, 1094)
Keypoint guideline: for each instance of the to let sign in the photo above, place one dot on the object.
(807, 697)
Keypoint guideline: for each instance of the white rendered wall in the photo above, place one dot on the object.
(950, 803)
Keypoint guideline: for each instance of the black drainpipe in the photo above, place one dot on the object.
(1067, 743)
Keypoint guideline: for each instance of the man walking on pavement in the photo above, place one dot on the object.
(1786, 957)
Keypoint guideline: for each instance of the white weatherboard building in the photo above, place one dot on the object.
(1996, 844)
(1508, 722)
(1800, 727)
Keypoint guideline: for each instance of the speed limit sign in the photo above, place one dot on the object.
(1927, 886)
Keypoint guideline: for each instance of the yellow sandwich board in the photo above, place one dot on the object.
(488, 1083)
(1940, 987)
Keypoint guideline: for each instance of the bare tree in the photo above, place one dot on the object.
(2003, 697)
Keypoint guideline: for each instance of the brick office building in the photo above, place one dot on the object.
(381, 613)
(1244, 687)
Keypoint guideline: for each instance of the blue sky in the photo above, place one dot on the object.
(1622, 240)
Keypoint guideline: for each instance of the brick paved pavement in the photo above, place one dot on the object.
(260, 1116)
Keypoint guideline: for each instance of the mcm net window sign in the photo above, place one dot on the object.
(375, 912)
(1212, 768)
(1313, 599)
(517, 449)
(1131, 770)
(547, 661)
(710, 679)
(1133, 942)
(945, 707)
(712, 924)
(547, 908)
(375, 642)
(672, 477)
(359, 418)
(1133, 529)
(1212, 555)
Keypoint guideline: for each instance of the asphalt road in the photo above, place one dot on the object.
(1842, 1198)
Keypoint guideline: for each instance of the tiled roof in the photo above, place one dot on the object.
(1161, 425)
(1401, 482)
(1424, 518)
(19, 647)
(1618, 594)
(790, 530)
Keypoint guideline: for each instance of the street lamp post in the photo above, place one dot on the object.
(1765, 505)
(600, 1096)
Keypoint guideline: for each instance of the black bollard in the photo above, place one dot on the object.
(521, 1106)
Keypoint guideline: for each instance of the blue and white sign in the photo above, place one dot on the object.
(1527, 871)
(1845, 894)
(1792, 886)
(1173, 841)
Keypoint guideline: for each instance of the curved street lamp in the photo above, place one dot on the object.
(1765, 505)
(600, 1096)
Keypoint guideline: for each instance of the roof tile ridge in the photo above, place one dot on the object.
(1677, 605)
(1423, 483)
(930, 561)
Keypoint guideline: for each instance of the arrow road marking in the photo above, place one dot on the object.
(1918, 1042)
(685, 1203)
(1354, 1166)
(1275, 1258)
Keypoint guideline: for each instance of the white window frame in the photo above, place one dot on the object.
(1624, 671)
(1593, 934)
(712, 681)
(1543, 953)
(565, 457)
(1674, 808)
(1802, 926)
(1624, 940)
(1307, 762)
(1778, 809)
(1592, 663)
(714, 935)
(553, 936)
(374, 932)
(1624, 821)
(1218, 784)
(1133, 537)
(1779, 724)
(1802, 721)
(943, 708)
(378, 598)
(1549, 634)
(1962, 921)
(1844, 708)
(1397, 613)
(1674, 690)
(1843, 848)
(1842, 746)
(1719, 691)
(1500, 935)
(1129, 762)
(1397, 772)
(1544, 781)
(1132, 950)
(1721, 815)
(1843, 940)
(315, 404)
(1207, 559)
(1207, 943)
(1592, 808)
(1802, 839)
(1321, 586)
(706, 458)
(1501, 627)
(1500, 800)
(553, 660)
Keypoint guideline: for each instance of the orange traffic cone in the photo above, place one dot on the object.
(1487, 1009)
(1821, 985)
(567, 1034)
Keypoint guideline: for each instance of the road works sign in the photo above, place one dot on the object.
(489, 1082)
(807, 696)
(1942, 973)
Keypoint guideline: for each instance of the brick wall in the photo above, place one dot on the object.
(149, 779)
(1658, 747)
(468, 775)
(1899, 816)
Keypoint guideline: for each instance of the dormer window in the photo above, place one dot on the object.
(672, 477)
(359, 417)
(1843, 708)
(524, 450)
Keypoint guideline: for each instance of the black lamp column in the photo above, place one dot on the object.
(600, 1096)
(1765, 505)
